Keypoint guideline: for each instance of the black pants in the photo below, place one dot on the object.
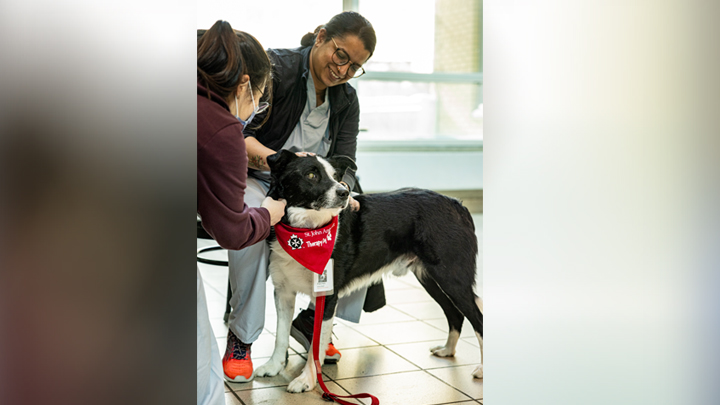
(374, 298)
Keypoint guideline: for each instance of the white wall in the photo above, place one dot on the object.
(435, 170)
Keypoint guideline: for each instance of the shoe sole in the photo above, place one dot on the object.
(241, 379)
(300, 337)
(238, 379)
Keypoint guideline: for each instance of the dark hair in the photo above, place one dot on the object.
(225, 55)
(348, 22)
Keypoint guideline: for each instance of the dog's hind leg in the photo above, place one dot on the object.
(454, 317)
(471, 310)
(285, 306)
(478, 372)
(464, 299)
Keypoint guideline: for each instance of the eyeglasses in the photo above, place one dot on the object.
(262, 106)
(341, 58)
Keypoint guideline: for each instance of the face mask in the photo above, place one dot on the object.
(237, 109)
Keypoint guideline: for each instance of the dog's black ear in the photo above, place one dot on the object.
(280, 159)
(341, 164)
(277, 163)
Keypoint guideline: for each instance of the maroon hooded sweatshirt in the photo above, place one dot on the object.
(222, 175)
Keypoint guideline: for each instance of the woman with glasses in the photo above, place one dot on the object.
(233, 71)
(314, 110)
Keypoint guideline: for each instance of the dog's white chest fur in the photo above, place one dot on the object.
(286, 272)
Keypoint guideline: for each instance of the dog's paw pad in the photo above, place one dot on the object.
(442, 351)
(269, 369)
(300, 384)
(478, 372)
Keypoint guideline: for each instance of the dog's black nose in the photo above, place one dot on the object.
(342, 192)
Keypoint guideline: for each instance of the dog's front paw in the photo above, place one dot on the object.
(478, 372)
(442, 351)
(269, 369)
(302, 383)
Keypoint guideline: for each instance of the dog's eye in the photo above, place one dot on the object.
(311, 176)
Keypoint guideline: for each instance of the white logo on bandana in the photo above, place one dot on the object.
(294, 242)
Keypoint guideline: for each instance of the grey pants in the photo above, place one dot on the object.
(249, 273)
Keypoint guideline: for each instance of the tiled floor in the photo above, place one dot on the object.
(386, 354)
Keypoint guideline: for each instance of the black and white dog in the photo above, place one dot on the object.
(410, 229)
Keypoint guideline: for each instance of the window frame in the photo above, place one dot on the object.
(475, 78)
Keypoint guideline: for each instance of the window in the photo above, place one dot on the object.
(424, 81)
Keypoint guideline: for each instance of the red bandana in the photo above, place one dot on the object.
(310, 247)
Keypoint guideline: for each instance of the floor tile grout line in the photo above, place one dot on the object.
(398, 354)
(442, 330)
(235, 394)
(304, 392)
(404, 343)
(341, 387)
(363, 334)
(446, 383)
(455, 402)
(410, 315)
(399, 343)
(427, 372)
(338, 382)
(451, 366)
(222, 293)
(397, 372)
(387, 322)
(379, 375)
(258, 388)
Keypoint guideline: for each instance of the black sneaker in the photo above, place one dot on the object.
(302, 331)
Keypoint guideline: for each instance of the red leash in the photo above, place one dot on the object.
(328, 396)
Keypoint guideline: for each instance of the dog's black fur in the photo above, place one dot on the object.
(420, 230)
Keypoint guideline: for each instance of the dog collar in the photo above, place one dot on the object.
(310, 247)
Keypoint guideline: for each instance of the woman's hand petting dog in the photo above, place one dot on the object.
(354, 204)
(276, 209)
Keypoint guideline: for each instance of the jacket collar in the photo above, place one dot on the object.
(305, 52)
(204, 91)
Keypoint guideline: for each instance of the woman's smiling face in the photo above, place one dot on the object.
(327, 72)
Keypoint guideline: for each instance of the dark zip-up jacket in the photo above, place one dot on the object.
(290, 71)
